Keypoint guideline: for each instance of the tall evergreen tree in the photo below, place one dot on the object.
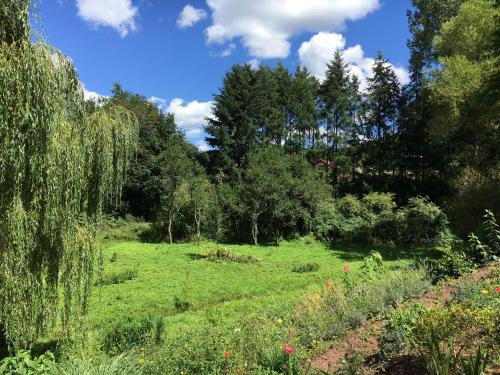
(233, 129)
(336, 94)
(383, 101)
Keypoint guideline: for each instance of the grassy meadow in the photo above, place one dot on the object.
(229, 290)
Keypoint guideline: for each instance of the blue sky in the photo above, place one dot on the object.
(177, 51)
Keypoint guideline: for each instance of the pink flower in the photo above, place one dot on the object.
(346, 268)
(288, 348)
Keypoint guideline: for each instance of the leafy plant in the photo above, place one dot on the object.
(181, 305)
(122, 364)
(222, 255)
(129, 333)
(440, 360)
(117, 278)
(475, 365)
(372, 265)
(306, 268)
(23, 364)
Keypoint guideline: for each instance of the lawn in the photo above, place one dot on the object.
(230, 290)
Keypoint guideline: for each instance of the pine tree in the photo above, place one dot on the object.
(383, 100)
(336, 94)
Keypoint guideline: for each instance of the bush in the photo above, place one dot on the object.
(306, 268)
(223, 255)
(374, 219)
(424, 223)
(117, 278)
(23, 364)
(129, 333)
(454, 263)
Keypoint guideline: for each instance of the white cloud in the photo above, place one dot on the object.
(189, 16)
(118, 14)
(319, 50)
(159, 102)
(266, 26)
(254, 63)
(202, 146)
(92, 95)
(229, 50)
(191, 116)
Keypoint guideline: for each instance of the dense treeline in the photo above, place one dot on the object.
(284, 144)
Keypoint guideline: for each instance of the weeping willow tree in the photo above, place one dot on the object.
(59, 168)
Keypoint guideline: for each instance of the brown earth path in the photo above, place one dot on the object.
(364, 340)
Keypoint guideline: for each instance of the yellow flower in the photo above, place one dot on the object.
(484, 291)
(279, 321)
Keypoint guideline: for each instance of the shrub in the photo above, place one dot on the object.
(454, 263)
(223, 255)
(374, 219)
(23, 363)
(424, 223)
(397, 333)
(129, 333)
(117, 278)
(306, 268)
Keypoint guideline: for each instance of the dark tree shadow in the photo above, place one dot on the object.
(355, 252)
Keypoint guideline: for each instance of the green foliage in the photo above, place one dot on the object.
(454, 263)
(129, 333)
(180, 305)
(398, 331)
(124, 363)
(24, 364)
(440, 360)
(306, 268)
(59, 168)
(475, 364)
(116, 278)
(219, 255)
(424, 222)
(375, 219)
(373, 265)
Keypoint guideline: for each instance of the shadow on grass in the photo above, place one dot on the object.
(355, 252)
(195, 256)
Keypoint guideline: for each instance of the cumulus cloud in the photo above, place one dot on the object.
(266, 26)
(92, 95)
(191, 117)
(118, 14)
(319, 50)
(189, 16)
(202, 146)
(159, 102)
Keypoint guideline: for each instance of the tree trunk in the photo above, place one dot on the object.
(4, 347)
(198, 231)
(170, 230)
(255, 232)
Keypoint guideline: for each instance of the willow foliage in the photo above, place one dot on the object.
(59, 167)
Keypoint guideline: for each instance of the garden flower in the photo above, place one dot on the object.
(279, 321)
(227, 354)
(346, 268)
(288, 348)
(484, 291)
(497, 289)
(329, 284)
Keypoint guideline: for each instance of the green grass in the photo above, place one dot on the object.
(229, 290)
